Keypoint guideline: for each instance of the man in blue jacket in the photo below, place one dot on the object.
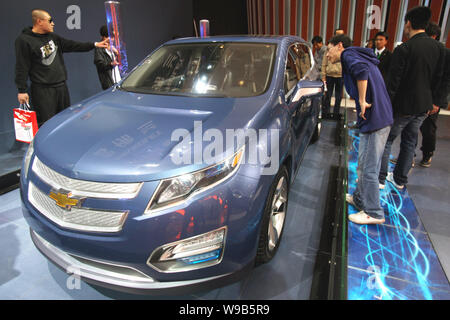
(364, 83)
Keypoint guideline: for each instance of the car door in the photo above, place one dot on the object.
(309, 90)
(297, 66)
(290, 83)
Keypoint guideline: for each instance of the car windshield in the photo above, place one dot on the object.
(219, 69)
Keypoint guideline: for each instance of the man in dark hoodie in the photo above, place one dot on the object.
(364, 83)
(39, 56)
(413, 85)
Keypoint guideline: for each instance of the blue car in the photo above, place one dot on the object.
(179, 175)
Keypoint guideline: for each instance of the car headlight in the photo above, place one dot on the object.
(27, 159)
(171, 192)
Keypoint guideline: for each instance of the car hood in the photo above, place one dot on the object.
(120, 136)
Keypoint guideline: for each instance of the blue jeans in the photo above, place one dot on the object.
(367, 193)
(408, 127)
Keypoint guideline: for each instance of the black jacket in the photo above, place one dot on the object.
(385, 62)
(444, 87)
(415, 75)
(102, 61)
(40, 57)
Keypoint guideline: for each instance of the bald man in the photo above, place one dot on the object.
(39, 57)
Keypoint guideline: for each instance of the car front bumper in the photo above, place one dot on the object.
(121, 278)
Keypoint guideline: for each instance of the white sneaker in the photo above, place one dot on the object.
(390, 178)
(363, 218)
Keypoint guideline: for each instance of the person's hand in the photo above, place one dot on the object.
(364, 105)
(114, 63)
(102, 44)
(23, 98)
(435, 110)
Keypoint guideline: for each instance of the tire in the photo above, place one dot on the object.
(274, 218)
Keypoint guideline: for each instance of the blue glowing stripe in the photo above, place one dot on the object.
(395, 260)
(205, 257)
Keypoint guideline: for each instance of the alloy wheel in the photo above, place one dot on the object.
(278, 213)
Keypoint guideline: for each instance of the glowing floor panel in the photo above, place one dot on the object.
(395, 260)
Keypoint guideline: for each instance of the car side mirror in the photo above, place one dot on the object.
(308, 89)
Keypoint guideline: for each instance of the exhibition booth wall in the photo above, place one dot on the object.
(308, 18)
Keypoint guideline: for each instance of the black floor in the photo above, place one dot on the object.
(26, 274)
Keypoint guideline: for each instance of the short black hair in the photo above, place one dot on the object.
(104, 31)
(317, 39)
(419, 17)
(383, 34)
(433, 30)
(346, 41)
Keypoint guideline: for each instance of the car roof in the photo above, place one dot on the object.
(238, 38)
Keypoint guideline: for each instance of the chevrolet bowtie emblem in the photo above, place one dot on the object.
(64, 200)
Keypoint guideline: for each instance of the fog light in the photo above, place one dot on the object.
(194, 253)
(200, 258)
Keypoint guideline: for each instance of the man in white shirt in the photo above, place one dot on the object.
(382, 53)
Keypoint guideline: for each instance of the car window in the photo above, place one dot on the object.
(219, 69)
(302, 59)
(298, 66)
(291, 75)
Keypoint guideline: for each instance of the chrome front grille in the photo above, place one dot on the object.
(84, 188)
(82, 219)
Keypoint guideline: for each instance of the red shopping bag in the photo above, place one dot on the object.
(25, 123)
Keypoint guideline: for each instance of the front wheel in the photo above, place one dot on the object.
(274, 217)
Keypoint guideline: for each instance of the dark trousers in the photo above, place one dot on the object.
(428, 130)
(408, 127)
(48, 101)
(336, 85)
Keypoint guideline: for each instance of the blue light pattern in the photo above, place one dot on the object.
(393, 261)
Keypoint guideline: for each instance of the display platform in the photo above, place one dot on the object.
(395, 260)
